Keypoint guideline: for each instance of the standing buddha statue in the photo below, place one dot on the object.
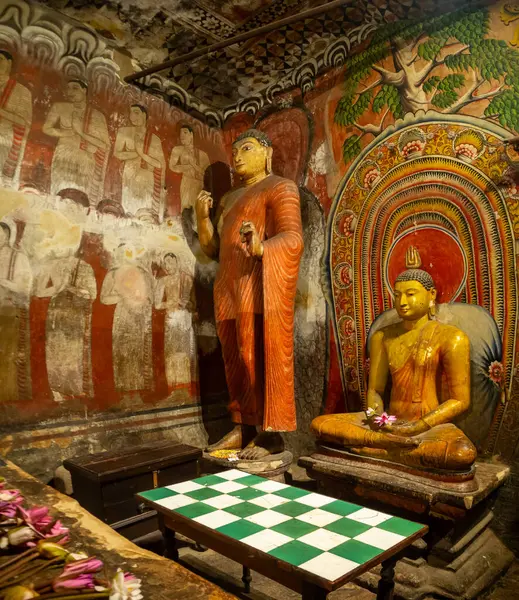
(418, 353)
(257, 238)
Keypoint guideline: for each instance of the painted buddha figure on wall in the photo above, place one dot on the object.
(429, 366)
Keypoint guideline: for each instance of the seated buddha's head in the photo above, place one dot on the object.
(415, 294)
(252, 154)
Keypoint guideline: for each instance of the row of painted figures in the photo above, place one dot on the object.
(83, 147)
(71, 284)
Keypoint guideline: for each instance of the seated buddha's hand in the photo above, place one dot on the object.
(404, 428)
(402, 441)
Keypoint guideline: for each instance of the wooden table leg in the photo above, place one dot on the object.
(170, 540)
(313, 592)
(247, 578)
(386, 585)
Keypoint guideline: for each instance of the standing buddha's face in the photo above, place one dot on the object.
(412, 300)
(249, 157)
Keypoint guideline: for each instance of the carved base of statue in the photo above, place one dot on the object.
(462, 481)
(460, 556)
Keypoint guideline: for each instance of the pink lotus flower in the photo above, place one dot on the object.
(84, 581)
(50, 531)
(384, 419)
(10, 509)
(10, 495)
(80, 567)
(59, 529)
(37, 517)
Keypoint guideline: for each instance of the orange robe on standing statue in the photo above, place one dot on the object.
(259, 241)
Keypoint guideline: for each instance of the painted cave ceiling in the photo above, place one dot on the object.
(152, 31)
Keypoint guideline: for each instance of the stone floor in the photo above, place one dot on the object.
(227, 574)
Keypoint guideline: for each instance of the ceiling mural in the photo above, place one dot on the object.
(152, 31)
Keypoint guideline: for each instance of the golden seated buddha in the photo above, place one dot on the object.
(417, 352)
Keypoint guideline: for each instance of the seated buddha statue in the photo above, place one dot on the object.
(418, 352)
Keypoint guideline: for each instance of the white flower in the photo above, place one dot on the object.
(125, 586)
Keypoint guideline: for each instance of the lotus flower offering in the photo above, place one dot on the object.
(34, 562)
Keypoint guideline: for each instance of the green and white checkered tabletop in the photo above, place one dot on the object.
(316, 533)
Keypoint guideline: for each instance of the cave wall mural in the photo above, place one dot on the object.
(98, 306)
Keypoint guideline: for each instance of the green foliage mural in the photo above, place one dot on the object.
(457, 44)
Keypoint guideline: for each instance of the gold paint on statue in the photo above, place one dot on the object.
(415, 352)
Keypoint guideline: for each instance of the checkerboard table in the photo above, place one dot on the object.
(311, 543)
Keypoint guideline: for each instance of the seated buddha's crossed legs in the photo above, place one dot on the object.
(442, 447)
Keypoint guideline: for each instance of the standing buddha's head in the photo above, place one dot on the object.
(252, 154)
(415, 292)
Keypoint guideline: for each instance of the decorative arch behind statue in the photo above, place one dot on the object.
(415, 185)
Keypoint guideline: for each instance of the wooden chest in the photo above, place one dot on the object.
(106, 483)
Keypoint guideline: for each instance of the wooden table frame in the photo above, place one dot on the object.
(309, 585)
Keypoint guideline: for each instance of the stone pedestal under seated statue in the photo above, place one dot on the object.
(461, 556)
(273, 466)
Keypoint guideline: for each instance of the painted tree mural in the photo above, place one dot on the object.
(441, 64)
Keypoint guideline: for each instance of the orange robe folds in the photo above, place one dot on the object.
(254, 302)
